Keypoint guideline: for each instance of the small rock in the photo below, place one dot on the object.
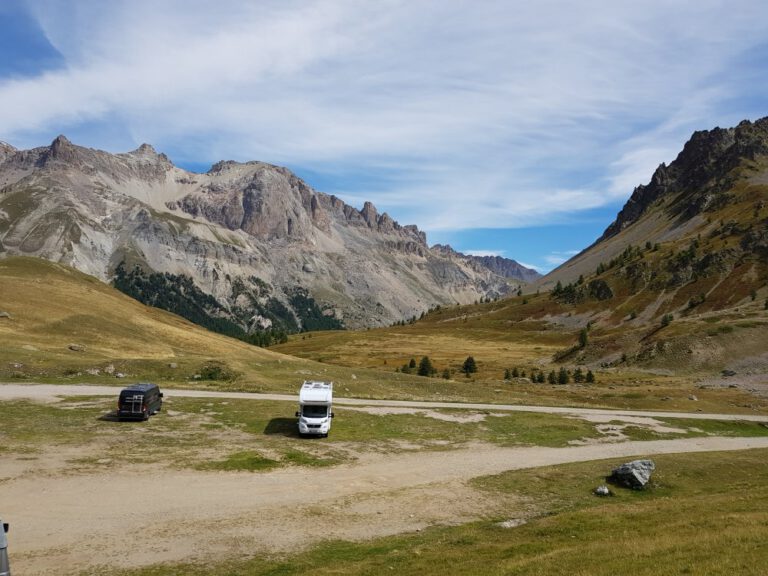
(173, 365)
(354, 377)
(511, 523)
(603, 490)
(5, 315)
(110, 369)
(693, 397)
(76, 347)
(728, 373)
(119, 375)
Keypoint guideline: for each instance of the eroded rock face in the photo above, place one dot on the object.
(240, 223)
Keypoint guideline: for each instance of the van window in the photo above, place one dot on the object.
(312, 411)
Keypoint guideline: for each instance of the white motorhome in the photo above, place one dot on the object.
(315, 403)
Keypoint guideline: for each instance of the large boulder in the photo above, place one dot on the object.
(635, 474)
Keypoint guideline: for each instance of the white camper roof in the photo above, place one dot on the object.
(316, 392)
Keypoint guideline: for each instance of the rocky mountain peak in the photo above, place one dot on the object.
(145, 150)
(61, 149)
(697, 179)
(6, 150)
(370, 214)
(221, 166)
(504, 267)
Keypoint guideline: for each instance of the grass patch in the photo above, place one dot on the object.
(299, 458)
(537, 429)
(242, 461)
(719, 427)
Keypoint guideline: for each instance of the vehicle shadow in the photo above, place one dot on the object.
(282, 427)
(109, 417)
(112, 417)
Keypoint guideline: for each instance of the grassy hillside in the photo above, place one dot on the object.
(62, 326)
(65, 326)
(637, 364)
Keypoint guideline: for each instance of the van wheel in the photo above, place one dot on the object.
(146, 415)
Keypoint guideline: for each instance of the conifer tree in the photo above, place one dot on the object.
(425, 367)
(469, 366)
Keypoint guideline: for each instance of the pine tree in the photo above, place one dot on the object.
(552, 378)
(541, 378)
(562, 376)
(469, 366)
(590, 377)
(578, 375)
(425, 367)
(507, 374)
(515, 372)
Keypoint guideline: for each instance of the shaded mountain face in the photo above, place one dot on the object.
(245, 243)
(507, 268)
(694, 239)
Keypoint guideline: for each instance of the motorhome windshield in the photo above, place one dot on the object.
(313, 411)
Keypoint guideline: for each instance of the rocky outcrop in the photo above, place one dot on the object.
(6, 150)
(635, 474)
(508, 268)
(247, 234)
(699, 178)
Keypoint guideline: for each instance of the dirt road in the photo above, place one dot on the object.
(50, 392)
(140, 516)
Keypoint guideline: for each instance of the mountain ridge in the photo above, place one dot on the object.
(248, 234)
(719, 174)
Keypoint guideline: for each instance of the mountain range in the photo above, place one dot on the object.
(243, 248)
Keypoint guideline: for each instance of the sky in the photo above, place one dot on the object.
(500, 127)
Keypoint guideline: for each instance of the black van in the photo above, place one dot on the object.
(139, 401)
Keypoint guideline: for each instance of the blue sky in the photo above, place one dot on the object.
(498, 126)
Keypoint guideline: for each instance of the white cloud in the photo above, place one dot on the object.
(490, 114)
(532, 266)
(554, 259)
(484, 252)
